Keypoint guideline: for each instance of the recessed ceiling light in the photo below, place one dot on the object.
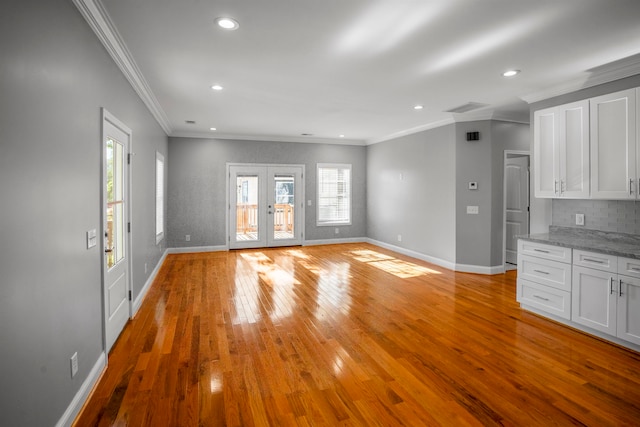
(216, 87)
(227, 23)
(418, 107)
(212, 129)
(341, 136)
(510, 73)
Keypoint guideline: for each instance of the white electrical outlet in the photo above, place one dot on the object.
(145, 268)
(472, 210)
(337, 231)
(74, 364)
(579, 219)
(187, 237)
(399, 237)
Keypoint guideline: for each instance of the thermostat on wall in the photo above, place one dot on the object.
(473, 185)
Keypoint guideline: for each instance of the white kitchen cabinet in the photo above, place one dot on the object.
(629, 300)
(605, 298)
(544, 278)
(561, 151)
(595, 292)
(628, 326)
(614, 162)
(594, 299)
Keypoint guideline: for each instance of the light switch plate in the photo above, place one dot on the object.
(473, 185)
(472, 210)
(92, 239)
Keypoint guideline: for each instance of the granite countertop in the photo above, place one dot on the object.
(618, 244)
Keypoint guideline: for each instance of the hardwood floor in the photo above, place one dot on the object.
(351, 335)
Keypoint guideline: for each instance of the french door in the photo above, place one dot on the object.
(116, 145)
(266, 205)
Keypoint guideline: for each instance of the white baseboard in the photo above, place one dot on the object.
(433, 260)
(334, 241)
(138, 301)
(196, 249)
(464, 268)
(478, 269)
(81, 396)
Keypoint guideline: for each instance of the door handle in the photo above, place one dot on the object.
(107, 250)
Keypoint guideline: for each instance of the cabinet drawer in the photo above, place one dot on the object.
(550, 273)
(596, 260)
(544, 298)
(629, 267)
(554, 253)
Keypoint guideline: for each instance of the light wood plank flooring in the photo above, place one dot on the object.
(351, 335)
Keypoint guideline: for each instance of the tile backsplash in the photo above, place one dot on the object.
(620, 216)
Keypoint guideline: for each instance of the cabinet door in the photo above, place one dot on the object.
(573, 127)
(613, 145)
(593, 299)
(545, 153)
(629, 309)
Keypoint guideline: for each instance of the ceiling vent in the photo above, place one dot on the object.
(465, 108)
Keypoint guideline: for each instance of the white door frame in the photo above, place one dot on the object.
(273, 165)
(507, 154)
(108, 117)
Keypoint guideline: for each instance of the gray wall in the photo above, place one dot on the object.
(54, 77)
(429, 206)
(421, 206)
(474, 163)
(543, 210)
(480, 237)
(197, 185)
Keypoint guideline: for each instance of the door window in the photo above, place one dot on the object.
(115, 202)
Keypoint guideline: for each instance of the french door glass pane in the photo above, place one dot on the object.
(247, 208)
(115, 202)
(283, 212)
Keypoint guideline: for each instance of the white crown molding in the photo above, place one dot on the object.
(613, 71)
(491, 114)
(100, 22)
(485, 114)
(411, 131)
(271, 138)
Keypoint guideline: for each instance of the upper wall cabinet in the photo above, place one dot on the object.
(561, 151)
(614, 161)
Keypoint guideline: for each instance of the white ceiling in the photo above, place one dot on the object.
(357, 67)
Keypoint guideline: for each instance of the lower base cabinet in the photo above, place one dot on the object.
(594, 300)
(600, 292)
(628, 326)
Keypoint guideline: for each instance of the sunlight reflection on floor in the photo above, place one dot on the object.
(391, 265)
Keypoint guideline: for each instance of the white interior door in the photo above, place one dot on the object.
(516, 175)
(266, 206)
(116, 144)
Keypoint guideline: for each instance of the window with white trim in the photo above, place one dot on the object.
(334, 194)
(159, 197)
